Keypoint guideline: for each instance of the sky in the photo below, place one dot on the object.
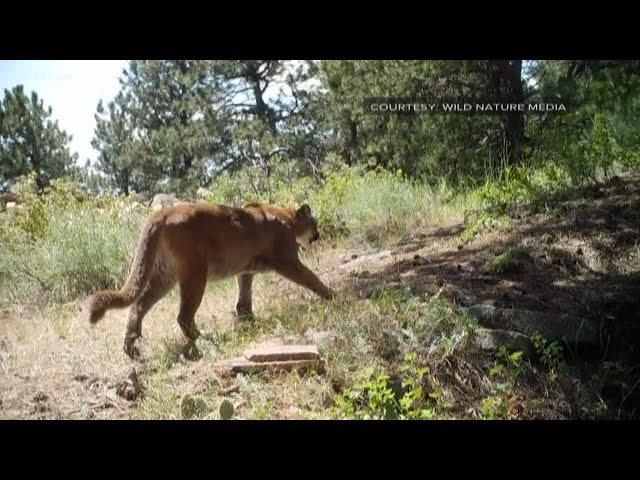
(72, 88)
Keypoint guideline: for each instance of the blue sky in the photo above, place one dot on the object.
(71, 87)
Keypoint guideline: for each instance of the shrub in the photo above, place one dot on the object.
(377, 204)
(64, 245)
(374, 399)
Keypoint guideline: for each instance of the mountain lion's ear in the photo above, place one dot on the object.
(304, 211)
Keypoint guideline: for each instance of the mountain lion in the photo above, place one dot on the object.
(191, 244)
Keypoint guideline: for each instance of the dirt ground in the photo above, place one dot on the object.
(579, 254)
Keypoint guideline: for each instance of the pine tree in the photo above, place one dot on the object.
(123, 157)
(30, 140)
(176, 107)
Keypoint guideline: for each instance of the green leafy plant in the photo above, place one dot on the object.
(374, 398)
(64, 245)
(193, 407)
(504, 372)
(550, 353)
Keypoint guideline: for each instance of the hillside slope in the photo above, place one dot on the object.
(565, 274)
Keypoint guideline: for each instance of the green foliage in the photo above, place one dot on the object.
(64, 245)
(439, 328)
(480, 222)
(498, 405)
(508, 362)
(226, 409)
(505, 371)
(384, 213)
(123, 158)
(374, 399)
(181, 141)
(505, 262)
(30, 141)
(550, 353)
(193, 407)
(378, 205)
(177, 124)
(428, 145)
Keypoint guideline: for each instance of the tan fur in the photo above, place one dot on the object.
(191, 244)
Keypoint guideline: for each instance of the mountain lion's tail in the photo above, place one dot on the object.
(100, 302)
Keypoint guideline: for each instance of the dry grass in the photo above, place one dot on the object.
(54, 365)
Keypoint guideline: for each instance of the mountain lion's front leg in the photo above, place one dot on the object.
(298, 273)
(243, 305)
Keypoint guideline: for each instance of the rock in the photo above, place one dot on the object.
(163, 200)
(8, 197)
(419, 260)
(242, 365)
(553, 327)
(365, 258)
(203, 193)
(473, 266)
(492, 339)
(409, 274)
(275, 355)
(319, 337)
(11, 207)
(271, 353)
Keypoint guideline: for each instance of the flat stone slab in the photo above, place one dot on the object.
(364, 258)
(275, 355)
(242, 365)
(273, 352)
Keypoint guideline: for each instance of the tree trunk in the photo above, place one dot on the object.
(352, 140)
(262, 111)
(125, 186)
(36, 164)
(514, 121)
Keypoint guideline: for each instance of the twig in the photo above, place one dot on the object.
(627, 396)
(29, 274)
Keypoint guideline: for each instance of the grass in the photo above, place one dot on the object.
(63, 246)
(505, 262)
(82, 246)
(376, 332)
(59, 248)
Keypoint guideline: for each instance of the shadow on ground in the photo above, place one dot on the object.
(577, 255)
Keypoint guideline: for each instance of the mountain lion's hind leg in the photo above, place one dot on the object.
(191, 292)
(157, 288)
